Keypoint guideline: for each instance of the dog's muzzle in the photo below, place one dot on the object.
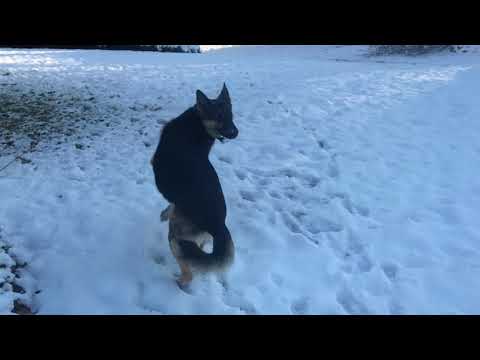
(229, 133)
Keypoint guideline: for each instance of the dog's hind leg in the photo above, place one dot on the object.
(175, 229)
(186, 275)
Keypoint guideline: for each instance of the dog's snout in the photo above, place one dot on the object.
(231, 132)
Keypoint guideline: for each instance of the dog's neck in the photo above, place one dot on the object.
(199, 135)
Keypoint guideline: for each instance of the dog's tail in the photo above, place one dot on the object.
(219, 259)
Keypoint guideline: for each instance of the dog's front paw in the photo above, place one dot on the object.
(164, 216)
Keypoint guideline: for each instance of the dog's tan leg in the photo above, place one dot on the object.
(186, 276)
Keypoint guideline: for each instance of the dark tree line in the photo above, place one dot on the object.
(411, 50)
(157, 48)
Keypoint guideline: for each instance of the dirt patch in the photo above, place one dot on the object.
(29, 117)
(32, 117)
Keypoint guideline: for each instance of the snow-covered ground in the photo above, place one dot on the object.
(353, 187)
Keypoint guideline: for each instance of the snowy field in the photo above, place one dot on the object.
(353, 187)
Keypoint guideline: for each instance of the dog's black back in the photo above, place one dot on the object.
(187, 179)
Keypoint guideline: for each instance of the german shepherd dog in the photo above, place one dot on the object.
(188, 181)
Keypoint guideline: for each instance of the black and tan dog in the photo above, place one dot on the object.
(188, 181)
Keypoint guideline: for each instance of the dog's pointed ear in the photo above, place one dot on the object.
(202, 100)
(224, 95)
